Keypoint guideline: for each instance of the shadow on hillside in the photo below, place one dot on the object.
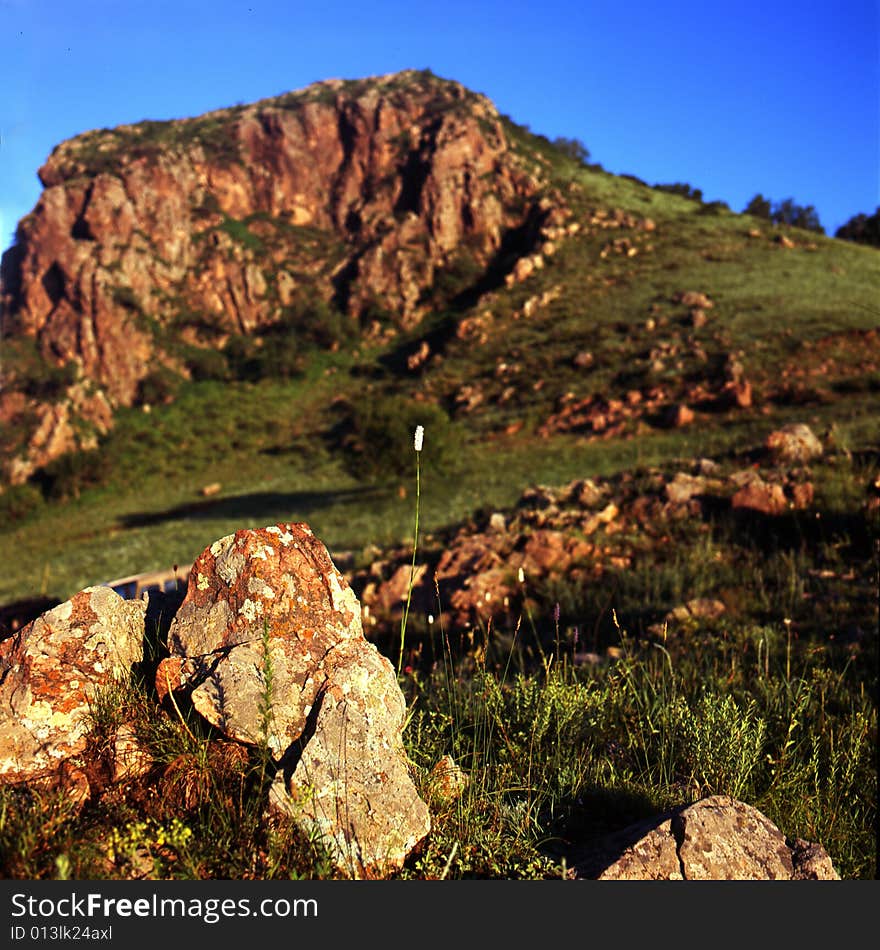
(255, 506)
(794, 530)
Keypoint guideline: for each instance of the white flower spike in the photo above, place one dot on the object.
(419, 438)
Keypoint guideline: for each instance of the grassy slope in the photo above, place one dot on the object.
(265, 442)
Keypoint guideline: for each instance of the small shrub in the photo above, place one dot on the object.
(573, 149)
(861, 228)
(683, 189)
(206, 363)
(279, 356)
(159, 387)
(720, 743)
(149, 844)
(377, 439)
(70, 474)
(240, 233)
(126, 298)
(714, 207)
(36, 375)
(314, 321)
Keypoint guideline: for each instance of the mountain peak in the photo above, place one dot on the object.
(157, 239)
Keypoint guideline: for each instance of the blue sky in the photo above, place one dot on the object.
(776, 96)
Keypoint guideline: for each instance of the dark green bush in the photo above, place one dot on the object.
(314, 321)
(278, 356)
(861, 228)
(683, 189)
(69, 475)
(239, 232)
(206, 363)
(573, 149)
(378, 438)
(159, 387)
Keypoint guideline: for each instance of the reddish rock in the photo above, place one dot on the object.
(51, 672)
(468, 397)
(693, 298)
(522, 270)
(793, 443)
(480, 597)
(684, 487)
(389, 598)
(811, 862)
(761, 496)
(583, 492)
(471, 578)
(269, 636)
(546, 551)
(678, 416)
(417, 360)
(802, 494)
(447, 781)
(474, 328)
(737, 394)
(605, 517)
(701, 608)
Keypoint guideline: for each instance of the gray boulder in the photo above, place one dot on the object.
(717, 838)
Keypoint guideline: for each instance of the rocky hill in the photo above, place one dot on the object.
(266, 299)
(643, 563)
(155, 243)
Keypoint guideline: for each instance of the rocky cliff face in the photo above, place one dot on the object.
(157, 237)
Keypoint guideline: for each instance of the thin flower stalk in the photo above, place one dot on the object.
(418, 442)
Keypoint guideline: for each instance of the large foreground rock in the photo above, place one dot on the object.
(51, 671)
(717, 838)
(269, 640)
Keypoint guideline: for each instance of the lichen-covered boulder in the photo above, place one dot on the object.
(270, 643)
(52, 670)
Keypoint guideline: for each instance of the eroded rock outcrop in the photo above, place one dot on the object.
(269, 641)
(52, 670)
(582, 531)
(161, 235)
